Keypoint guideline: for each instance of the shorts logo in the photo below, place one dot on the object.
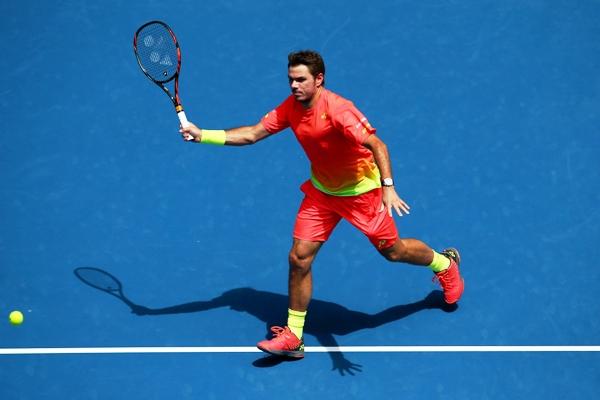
(381, 243)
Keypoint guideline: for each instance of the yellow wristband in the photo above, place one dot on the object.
(210, 136)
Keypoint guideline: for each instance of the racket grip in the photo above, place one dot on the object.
(183, 119)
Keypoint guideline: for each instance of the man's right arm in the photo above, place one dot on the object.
(241, 136)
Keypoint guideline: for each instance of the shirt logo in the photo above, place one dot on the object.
(363, 122)
(324, 115)
(365, 125)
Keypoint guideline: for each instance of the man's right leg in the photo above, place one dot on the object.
(301, 257)
(315, 221)
(287, 341)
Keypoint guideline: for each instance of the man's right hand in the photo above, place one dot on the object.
(190, 133)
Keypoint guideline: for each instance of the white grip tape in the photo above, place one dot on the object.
(183, 119)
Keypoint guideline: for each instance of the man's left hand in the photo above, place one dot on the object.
(392, 201)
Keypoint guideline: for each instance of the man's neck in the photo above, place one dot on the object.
(308, 104)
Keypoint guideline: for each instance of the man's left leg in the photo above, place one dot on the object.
(381, 230)
(410, 251)
(445, 265)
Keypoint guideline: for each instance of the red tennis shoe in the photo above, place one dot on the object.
(450, 280)
(283, 343)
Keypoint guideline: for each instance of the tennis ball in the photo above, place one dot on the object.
(16, 317)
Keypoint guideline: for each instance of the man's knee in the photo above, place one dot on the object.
(302, 255)
(299, 261)
(396, 252)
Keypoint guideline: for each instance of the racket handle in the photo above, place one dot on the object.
(184, 122)
(183, 119)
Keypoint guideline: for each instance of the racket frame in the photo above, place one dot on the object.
(161, 83)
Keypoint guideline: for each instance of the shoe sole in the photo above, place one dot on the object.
(290, 354)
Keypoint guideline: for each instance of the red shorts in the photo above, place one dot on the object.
(319, 214)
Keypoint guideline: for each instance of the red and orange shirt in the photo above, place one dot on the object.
(332, 133)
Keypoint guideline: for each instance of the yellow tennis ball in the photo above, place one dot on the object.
(16, 317)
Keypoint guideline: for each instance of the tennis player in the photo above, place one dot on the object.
(351, 178)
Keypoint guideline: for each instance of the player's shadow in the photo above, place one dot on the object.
(324, 321)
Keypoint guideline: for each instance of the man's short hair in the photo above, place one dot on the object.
(311, 59)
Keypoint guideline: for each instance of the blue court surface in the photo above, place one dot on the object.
(491, 113)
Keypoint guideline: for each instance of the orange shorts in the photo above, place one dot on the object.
(319, 214)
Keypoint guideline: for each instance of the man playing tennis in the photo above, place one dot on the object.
(351, 178)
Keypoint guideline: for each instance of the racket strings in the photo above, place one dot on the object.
(157, 52)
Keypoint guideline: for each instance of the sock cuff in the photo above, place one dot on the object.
(296, 313)
(439, 263)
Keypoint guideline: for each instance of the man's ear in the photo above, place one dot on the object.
(319, 79)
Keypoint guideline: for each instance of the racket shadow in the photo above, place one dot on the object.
(325, 321)
(105, 282)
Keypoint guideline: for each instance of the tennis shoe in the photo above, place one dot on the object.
(284, 343)
(450, 280)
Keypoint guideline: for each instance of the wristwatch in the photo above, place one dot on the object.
(387, 182)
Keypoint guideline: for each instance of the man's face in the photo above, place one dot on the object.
(304, 86)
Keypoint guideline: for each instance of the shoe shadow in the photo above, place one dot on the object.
(325, 321)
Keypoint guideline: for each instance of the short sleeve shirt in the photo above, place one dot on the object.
(332, 133)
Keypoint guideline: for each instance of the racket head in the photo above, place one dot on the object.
(99, 279)
(157, 51)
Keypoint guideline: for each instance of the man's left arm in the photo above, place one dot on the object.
(382, 159)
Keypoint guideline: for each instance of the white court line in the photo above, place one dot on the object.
(309, 349)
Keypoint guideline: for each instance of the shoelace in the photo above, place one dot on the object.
(277, 331)
(279, 334)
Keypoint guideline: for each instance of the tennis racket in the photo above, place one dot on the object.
(159, 56)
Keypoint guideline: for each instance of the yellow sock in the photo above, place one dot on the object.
(296, 322)
(439, 263)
